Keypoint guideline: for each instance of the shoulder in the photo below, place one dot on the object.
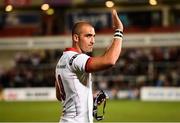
(72, 58)
(68, 55)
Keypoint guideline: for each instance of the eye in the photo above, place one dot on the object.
(90, 35)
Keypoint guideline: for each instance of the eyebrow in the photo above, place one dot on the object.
(89, 34)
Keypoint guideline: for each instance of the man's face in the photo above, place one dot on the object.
(86, 38)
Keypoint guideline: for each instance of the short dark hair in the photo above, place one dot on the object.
(78, 25)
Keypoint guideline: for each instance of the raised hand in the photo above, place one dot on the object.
(117, 24)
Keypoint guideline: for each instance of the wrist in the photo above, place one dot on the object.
(118, 34)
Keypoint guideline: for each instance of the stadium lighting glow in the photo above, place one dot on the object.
(45, 7)
(50, 11)
(109, 4)
(153, 2)
(9, 8)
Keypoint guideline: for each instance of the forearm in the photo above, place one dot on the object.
(113, 52)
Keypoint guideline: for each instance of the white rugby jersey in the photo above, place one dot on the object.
(76, 87)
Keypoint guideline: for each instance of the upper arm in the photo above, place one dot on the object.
(95, 64)
(84, 63)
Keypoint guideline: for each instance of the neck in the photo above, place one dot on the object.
(77, 48)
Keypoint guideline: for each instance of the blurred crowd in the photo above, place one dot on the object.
(34, 69)
(157, 67)
(137, 67)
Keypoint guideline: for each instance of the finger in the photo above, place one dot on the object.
(114, 12)
(115, 18)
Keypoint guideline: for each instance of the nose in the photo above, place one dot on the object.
(92, 40)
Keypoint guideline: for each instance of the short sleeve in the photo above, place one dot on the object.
(78, 62)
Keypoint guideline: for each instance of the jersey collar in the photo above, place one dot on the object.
(72, 49)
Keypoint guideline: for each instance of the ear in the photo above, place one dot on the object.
(75, 38)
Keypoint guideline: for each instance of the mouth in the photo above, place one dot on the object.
(91, 46)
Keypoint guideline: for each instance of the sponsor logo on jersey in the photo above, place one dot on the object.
(71, 60)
